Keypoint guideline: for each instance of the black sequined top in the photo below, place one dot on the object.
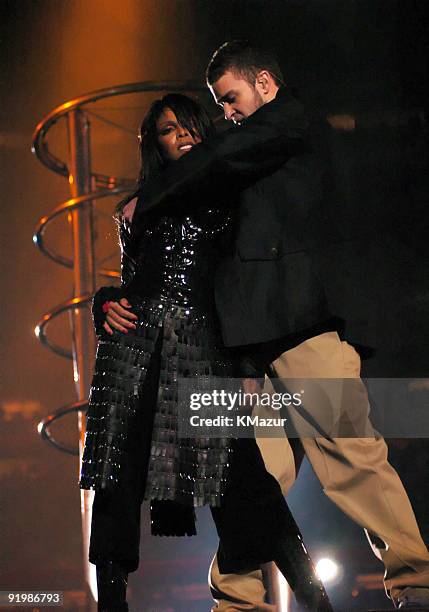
(174, 260)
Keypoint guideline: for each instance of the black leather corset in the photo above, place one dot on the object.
(175, 259)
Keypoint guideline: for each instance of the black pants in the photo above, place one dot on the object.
(254, 516)
(115, 527)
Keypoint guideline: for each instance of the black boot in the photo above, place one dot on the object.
(112, 581)
(296, 565)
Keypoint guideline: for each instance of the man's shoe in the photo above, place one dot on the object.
(296, 565)
(413, 599)
(112, 580)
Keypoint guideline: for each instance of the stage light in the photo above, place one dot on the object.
(327, 570)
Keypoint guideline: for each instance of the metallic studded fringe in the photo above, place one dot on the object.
(190, 471)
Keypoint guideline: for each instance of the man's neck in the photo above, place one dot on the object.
(271, 95)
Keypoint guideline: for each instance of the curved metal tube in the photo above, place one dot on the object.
(40, 147)
(44, 424)
(109, 273)
(40, 329)
(67, 206)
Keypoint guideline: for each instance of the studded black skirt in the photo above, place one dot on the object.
(192, 472)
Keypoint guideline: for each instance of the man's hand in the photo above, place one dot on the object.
(119, 318)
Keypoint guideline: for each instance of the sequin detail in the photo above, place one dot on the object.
(172, 275)
(175, 260)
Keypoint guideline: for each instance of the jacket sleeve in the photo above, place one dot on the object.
(114, 293)
(230, 161)
(104, 294)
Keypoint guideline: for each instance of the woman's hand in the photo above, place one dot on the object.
(118, 317)
(252, 385)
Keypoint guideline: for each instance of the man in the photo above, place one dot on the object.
(271, 293)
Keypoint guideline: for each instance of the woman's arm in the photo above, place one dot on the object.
(109, 305)
(222, 166)
(102, 302)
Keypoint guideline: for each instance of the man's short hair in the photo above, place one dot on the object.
(243, 59)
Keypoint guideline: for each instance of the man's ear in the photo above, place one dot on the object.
(265, 83)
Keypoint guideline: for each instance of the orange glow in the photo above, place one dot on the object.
(342, 122)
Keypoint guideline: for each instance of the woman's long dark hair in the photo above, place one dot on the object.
(190, 114)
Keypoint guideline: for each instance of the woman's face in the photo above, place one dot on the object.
(174, 139)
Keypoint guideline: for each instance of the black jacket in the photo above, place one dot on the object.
(278, 279)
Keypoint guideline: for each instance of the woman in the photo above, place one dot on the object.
(164, 328)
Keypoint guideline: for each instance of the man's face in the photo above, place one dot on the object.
(236, 96)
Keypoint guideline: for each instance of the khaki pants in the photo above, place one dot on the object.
(238, 591)
(354, 473)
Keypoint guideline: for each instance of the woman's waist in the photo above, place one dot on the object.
(153, 311)
(182, 296)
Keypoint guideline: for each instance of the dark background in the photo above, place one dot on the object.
(365, 58)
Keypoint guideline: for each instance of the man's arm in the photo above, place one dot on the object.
(231, 161)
